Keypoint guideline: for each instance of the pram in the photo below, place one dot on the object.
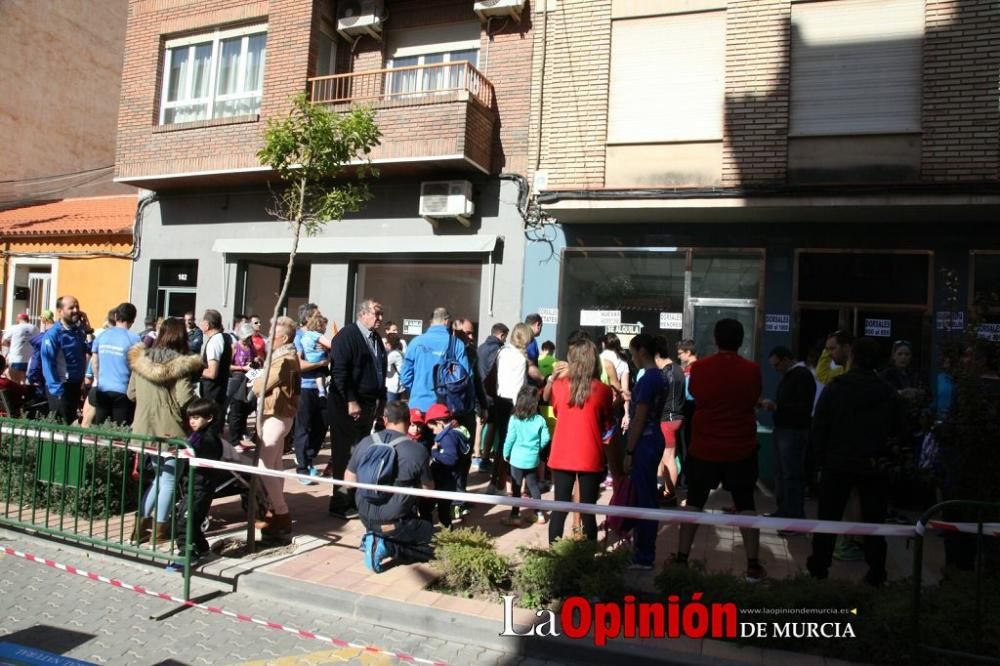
(229, 483)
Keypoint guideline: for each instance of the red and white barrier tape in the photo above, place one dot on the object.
(217, 610)
(662, 515)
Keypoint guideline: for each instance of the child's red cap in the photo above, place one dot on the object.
(438, 412)
(416, 417)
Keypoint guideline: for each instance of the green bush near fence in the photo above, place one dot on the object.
(68, 479)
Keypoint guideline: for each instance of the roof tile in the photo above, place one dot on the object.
(90, 215)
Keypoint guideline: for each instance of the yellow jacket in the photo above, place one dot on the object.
(825, 372)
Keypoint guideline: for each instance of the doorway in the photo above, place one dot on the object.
(882, 295)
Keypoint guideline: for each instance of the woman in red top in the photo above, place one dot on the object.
(584, 413)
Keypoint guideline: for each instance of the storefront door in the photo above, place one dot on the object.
(703, 313)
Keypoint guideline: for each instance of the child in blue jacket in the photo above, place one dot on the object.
(451, 445)
(527, 435)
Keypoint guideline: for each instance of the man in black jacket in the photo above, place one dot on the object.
(358, 364)
(486, 357)
(856, 418)
(792, 407)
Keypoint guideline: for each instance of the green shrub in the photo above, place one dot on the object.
(102, 486)
(469, 563)
(569, 567)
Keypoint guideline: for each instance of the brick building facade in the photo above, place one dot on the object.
(451, 98)
(802, 166)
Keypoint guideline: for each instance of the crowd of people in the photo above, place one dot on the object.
(650, 421)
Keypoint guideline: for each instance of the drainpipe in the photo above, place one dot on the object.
(6, 287)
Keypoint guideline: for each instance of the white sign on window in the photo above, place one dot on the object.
(777, 323)
(950, 321)
(624, 329)
(671, 321)
(413, 326)
(549, 315)
(600, 317)
(989, 332)
(878, 328)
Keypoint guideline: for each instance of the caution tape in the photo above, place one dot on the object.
(659, 515)
(216, 610)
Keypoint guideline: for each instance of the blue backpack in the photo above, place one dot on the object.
(452, 382)
(378, 466)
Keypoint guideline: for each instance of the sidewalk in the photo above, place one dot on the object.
(324, 568)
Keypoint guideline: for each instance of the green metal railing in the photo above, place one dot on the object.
(88, 486)
(981, 510)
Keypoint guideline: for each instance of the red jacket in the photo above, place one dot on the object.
(578, 442)
(725, 387)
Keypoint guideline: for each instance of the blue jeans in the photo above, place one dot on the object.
(645, 462)
(161, 492)
(789, 466)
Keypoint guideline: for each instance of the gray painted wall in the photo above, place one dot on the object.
(184, 226)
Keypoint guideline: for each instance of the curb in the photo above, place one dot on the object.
(459, 627)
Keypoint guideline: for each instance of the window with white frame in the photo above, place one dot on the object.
(431, 79)
(432, 59)
(216, 75)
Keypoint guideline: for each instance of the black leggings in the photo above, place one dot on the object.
(590, 488)
(520, 477)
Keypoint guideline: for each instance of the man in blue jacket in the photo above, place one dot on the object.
(424, 354)
(64, 360)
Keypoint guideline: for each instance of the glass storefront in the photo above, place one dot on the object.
(672, 292)
(410, 292)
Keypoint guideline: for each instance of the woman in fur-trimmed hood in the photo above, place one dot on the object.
(162, 381)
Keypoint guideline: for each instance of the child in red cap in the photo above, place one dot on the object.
(417, 425)
(451, 444)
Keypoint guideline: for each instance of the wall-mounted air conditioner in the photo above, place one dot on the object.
(509, 8)
(446, 199)
(360, 17)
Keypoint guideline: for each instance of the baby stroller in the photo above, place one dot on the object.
(229, 483)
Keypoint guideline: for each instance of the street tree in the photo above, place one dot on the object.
(322, 159)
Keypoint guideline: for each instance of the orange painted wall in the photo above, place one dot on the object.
(99, 283)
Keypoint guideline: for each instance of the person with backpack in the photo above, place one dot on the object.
(217, 355)
(448, 455)
(64, 360)
(671, 419)
(436, 368)
(390, 457)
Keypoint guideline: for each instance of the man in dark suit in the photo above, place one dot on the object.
(358, 364)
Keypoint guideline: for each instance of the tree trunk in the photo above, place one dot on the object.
(254, 478)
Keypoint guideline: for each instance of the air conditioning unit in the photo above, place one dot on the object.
(510, 8)
(446, 199)
(360, 17)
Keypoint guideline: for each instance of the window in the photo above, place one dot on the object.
(425, 47)
(856, 67)
(172, 288)
(326, 53)
(667, 78)
(433, 78)
(213, 76)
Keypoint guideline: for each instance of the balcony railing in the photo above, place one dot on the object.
(404, 86)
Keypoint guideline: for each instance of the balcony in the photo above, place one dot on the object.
(439, 116)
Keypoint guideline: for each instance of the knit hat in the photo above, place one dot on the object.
(438, 412)
(22, 317)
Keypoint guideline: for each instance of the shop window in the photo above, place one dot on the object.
(725, 276)
(638, 285)
(853, 277)
(412, 291)
(986, 282)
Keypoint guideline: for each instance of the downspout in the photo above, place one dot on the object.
(6, 287)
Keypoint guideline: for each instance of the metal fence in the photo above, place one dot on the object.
(982, 511)
(94, 486)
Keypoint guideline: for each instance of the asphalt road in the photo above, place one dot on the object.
(75, 617)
